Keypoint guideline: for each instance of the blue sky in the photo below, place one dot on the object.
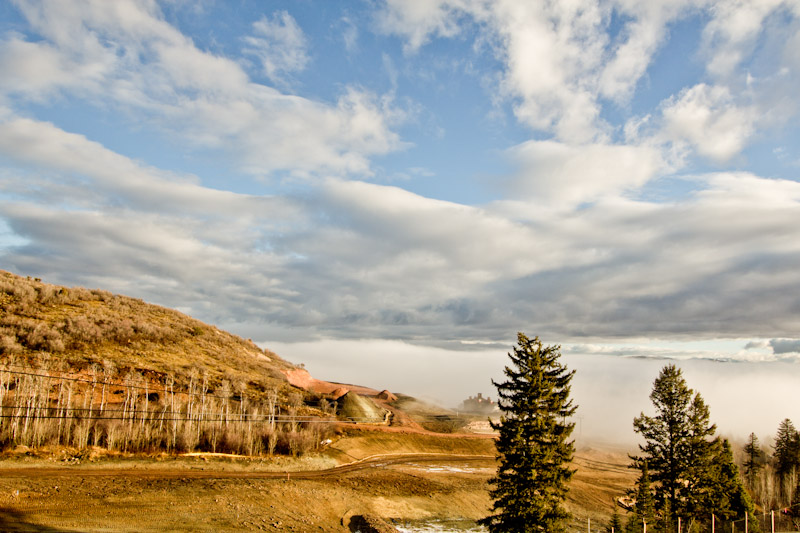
(341, 181)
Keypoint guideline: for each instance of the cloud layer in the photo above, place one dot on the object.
(609, 228)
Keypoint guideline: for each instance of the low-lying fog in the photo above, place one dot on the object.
(610, 390)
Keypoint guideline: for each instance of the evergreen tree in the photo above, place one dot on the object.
(787, 452)
(666, 435)
(615, 522)
(697, 456)
(533, 446)
(644, 510)
(728, 498)
(753, 460)
(693, 474)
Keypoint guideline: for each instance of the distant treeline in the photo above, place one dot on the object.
(773, 479)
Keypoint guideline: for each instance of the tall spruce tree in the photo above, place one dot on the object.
(666, 435)
(614, 524)
(644, 510)
(533, 446)
(753, 460)
(698, 455)
(787, 454)
(728, 498)
(685, 460)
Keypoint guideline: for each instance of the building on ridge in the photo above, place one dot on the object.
(479, 404)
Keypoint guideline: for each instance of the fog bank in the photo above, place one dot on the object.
(609, 390)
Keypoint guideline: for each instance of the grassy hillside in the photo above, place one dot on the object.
(76, 327)
(82, 367)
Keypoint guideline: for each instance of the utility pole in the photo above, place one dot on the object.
(713, 522)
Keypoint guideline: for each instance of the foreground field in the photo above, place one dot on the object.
(432, 479)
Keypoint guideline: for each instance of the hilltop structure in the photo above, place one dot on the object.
(479, 404)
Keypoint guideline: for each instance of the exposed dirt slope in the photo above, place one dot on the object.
(300, 378)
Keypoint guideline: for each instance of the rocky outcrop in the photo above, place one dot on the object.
(364, 523)
(387, 396)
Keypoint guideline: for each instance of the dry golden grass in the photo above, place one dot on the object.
(81, 327)
(358, 444)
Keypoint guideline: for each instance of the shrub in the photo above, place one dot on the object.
(44, 337)
(9, 345)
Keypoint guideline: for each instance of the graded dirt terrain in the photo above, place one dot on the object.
(214, 494)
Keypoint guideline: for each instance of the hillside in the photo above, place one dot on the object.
(81, 367)
(74, 328)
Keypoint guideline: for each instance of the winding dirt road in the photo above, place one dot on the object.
(378, 461)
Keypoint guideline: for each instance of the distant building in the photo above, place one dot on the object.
(479, 404)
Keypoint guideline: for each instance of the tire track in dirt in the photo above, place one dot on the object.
(376, 461)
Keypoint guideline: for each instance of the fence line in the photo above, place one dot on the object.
(101, 381)
(770, 521)
(217, 417)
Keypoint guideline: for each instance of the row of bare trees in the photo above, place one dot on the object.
(774, 481)
(41, 406)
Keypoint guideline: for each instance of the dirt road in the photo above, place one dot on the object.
(380, 461)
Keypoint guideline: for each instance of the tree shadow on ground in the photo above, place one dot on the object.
(16, 521)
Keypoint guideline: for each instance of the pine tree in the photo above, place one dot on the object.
(615, 522)
(666, 434)
(787, 452)
(754, 460)
(680, 451)
(697, 456)
(533, 446)
(644, 510)
(727, 497)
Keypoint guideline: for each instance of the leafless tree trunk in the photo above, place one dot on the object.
(94, 370)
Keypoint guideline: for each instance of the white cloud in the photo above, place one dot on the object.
(364, 256)
(352, 259)
(573, 254)
(643, 34)
(114, 177)
(561, 63)
(126, 52)
(731, 34)
(35, 70)
(419, 19)
(349, 35)
(552, 53)
(709, 118)
(571, 174)
(279, 44)
(558, 57)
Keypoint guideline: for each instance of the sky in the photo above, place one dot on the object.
(389, 190)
